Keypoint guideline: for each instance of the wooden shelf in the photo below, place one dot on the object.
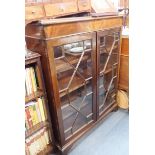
(31, 57)
(109, 69)
(62, 65)
(87, 51)
(76, 83)
(36, 128)
(102, 50)
(34, 96)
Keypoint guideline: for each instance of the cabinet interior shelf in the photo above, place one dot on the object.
(62, 65)
(86, 51)
(104, 51)
(34, 96)
(76, 83)
(36, 128)
(109, 69)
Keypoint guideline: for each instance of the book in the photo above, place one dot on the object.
(46, 137)
(37, 142)
(28, 117)
(27, 81)
(33, 79)
(25, 89)
(38, 112)
(41, 108)
(43, 102)
(35, 115)
(27, 152)
(26, 124)
(43, 140)
(32, 115)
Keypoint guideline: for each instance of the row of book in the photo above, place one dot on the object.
(30, 81)
(38, 142)
(34, 113)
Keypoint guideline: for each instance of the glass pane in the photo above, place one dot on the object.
(110, 99)
(109, 47)
(74, 74)
(107, 62)
(109, 41)
(107, 85)
(108, 51)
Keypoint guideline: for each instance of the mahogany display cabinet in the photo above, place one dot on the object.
(80, 60)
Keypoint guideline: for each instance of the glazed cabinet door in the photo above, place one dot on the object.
(73, 63)
(108, 42)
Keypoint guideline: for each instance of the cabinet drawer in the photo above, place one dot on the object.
(84, 5)
(34, 12)
(60, 8)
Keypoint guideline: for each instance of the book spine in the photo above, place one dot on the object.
(27, 152)
(46, 136)
(28, 143)
(26, 124)
(36, 140)
(27, 81)
(35, 114)
(41, 108)
(41, 147)
(43, 139)
(38, 111)
(25, 89)
(32, 115)
(43, 103)
(33, 144)
(33, 79)
(29, 118)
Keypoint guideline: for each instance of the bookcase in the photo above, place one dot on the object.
(38, 128)
(80, 60)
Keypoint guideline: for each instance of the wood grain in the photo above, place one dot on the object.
(124, 65)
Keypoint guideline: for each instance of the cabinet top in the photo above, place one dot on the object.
(73, 19)
(53, 28)
(31, 55)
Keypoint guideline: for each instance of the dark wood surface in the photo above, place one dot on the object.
(42, 37)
